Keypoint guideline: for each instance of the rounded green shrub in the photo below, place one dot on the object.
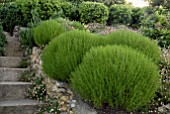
(46, 31)
(93, 12)
(119, 14)
(135, 41)
(65, 52)
(116, 75)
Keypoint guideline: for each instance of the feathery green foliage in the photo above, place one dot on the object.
(46, 31)
(65, 52)
(135, 41)
(116, 75)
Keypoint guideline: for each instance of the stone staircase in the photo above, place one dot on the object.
(12, 92)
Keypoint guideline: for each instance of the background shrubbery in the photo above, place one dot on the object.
(93, 12)
(117, 76)
(157, 26)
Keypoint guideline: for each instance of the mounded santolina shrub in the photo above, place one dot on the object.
(135, 41)
(93, 12)
(119, 14)
(116, 75)
(46, 31)
(65, 52)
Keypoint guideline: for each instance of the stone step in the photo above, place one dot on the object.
(13, 90)
(19, 106)
(11, 74)
(7, 61)
(14, 51)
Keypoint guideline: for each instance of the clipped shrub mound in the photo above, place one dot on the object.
(65, 52)
(118, 76)
(46, 31)
(93, 12)
(135, 41)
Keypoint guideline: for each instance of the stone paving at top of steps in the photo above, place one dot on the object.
(12, 48)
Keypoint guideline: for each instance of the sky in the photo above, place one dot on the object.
(138, 3)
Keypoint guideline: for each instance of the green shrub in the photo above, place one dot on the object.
(119, 14)
(2, 41)
(70, 10)
(135, 41)
(10, 16)
(118, 76)
(46, 31)
(65, 52)
(93, 12)
(47, 8)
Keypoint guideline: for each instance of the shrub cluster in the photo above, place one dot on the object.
(65, 52)
(46, 31)
(116, 75)
(93, 12)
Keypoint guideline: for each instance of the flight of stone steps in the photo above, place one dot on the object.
(12, 91)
